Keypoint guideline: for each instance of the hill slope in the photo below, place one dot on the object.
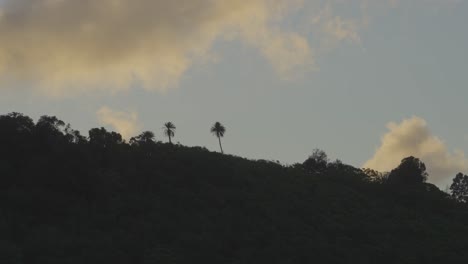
(65, 199)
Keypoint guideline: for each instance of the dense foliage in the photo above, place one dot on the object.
(459, 188)
(410, 171)
(66, 198)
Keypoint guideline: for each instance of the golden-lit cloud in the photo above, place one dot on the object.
(67, 47)
(125, 123)
(74, 46)
(412, 137)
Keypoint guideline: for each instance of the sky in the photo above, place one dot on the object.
(369, 82)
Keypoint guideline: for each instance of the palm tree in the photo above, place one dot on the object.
(169, 130)
(218, 130)
(146, 137)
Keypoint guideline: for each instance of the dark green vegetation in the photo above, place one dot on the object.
(65, 198)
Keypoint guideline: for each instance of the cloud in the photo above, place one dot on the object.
(334, 28)
(72, 46)
(433, 3)
(126, 123)
(412, 137)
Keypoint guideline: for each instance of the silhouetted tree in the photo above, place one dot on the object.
(169, 130)
(14, 127)
(459, 188)
(317, 162)
(410, 171)
(50, 124)
(15, 134)
(73, 136)
(102, 138)
(15, 123)
(375, 176)
(146, 137)
(218, 130)
(50, 131)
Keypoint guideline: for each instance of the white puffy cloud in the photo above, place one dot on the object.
(412, 137)
(66, 46)
(126, 123)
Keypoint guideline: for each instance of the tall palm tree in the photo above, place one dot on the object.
(169, 130)
(218, 130)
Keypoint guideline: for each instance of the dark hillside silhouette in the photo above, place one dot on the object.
(65, 198)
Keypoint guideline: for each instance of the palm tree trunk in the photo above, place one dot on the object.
(170, 141)
(221, 147)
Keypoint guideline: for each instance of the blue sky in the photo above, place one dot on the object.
(321, 74)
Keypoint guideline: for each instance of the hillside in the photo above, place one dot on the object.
(65, 198)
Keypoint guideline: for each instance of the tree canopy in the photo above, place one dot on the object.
(317, 162)
(410, 171)
(459, 188)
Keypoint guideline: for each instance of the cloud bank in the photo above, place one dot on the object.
(412, 137)
(65, 46)
(126, 123)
